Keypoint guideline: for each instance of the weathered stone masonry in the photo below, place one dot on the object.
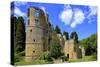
(37, 35)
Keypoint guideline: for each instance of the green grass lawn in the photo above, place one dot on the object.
(85, 59)
(32, 63)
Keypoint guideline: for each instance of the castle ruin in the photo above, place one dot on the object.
(37, 35)
(72, 50)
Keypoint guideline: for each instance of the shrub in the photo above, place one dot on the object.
(64, 58)
(46, 56)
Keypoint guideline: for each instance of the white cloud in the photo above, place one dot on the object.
(72, 17)
(18, 12)
(19, 3)
(66, 15)
(92, 12)
(78, 18)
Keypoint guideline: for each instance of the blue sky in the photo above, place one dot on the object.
(69, 18)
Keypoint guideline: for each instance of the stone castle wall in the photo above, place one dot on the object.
(72, 50)
(36, 34)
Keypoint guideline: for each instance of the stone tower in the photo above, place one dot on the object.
(36, 33)
(72, 50)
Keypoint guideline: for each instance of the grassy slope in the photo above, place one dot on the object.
(85, 59)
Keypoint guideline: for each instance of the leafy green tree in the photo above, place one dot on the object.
(46, 56)
(20, 35)
(90, 44)
(66, 34)
(57, 29)
(93, 40)
(74, 36)
(55, 47)
(49, 24)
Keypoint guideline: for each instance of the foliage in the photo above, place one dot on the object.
(66, 34)
(19, 56)
(46, 56)
(90, 44)
(57, 29)
(64, 58)
(74, 36)
(49, 24)
(55, 47)
(16, 57)
(20, 35)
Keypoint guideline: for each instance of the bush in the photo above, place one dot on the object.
(19, 56)
(46, 56)
(64, 58)
(16, 58)
(55, 47)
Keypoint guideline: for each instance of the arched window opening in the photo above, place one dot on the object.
(31, 30)
(34, 40)
(33, 51)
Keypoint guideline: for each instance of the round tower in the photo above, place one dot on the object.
(36, 33)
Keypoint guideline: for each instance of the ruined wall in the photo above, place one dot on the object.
(72, 50)
(37, 37)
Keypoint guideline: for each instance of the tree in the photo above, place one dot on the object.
(57, 29)
(90, 44)
(74, 36)
(49, 24)
(66, 35)
(20, 35)
(46, 56)
(55, 47)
